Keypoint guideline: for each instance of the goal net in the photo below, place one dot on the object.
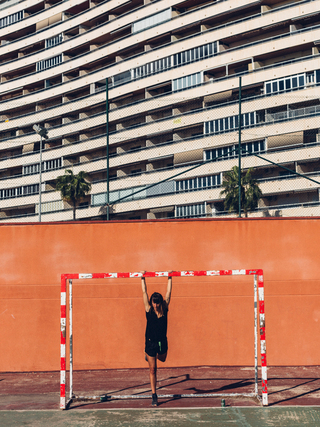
(66, 313)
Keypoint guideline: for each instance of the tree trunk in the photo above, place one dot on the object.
(74, 212)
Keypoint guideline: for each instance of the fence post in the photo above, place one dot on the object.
(107, 135)
(239, 149)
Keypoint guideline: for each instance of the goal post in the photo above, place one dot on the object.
(259, 318)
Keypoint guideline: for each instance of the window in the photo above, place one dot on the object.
(161, 189)
(198, 183)
(31, 189)
(230, 123)
(166, 63)
(49, 63)
(30, 169)
(151, 21)
(301, 80)
(187, 81)
(152, 68)
(253, 147)
(114, 196)
(196, 210)
(54, 206)
(52, 164)
(54, 41)
(219, 153)
(195, 54)
(9, 193)
(11, 19)
(287, 83)
(122, 78)
(294, 82)
(47, 165)
(230, 151)
(267, 88)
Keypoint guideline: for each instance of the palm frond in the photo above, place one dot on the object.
(73, 188)
(250, 191)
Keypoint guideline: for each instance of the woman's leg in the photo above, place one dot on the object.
(153, 372)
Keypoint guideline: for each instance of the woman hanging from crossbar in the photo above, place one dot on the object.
(156, 346)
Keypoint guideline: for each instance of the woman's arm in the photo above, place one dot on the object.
(144, 292)
(169, 289)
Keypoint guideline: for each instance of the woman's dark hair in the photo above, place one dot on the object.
(156, 298)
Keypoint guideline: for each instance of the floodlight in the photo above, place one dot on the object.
(41, 131)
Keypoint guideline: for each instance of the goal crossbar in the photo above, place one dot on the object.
(258, 311)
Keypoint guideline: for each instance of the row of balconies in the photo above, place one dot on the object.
(181, 133)
(32, 88)
(86, 112)
(150, 165)
(88, 146)
(98, 17)
(292, 159)
(102, 14)
(85, 115)
(102, 17)
(191, 211)
(40, 106)
(290, 202)
(173, 145)
(209, 75)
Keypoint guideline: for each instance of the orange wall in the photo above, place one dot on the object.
(210, 319)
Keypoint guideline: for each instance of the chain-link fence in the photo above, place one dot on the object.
(164, 153)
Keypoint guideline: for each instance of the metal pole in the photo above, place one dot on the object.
(107, 134)
(70, 340)
(40, 186)
(239, 149)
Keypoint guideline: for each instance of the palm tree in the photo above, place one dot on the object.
(250, 191)
(73, 188)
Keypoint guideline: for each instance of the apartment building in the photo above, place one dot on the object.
(155, 84)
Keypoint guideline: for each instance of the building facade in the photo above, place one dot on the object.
(155, 85)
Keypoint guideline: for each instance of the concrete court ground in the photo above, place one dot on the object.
(32, 399)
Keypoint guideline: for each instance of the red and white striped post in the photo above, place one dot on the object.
(263, 340)
(63, 323)
(188, 273)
